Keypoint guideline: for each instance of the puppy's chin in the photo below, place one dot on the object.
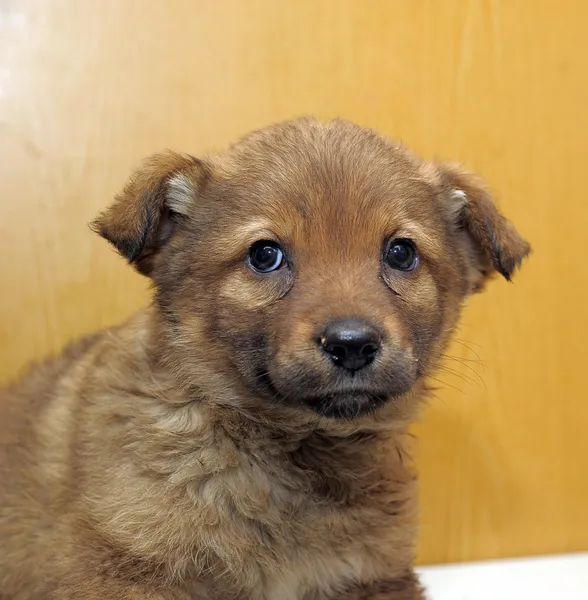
(346, 406)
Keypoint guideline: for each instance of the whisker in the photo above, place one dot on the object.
(464, 360)
(458, 374)
(478, 378)
(445, 384)
(468, 347)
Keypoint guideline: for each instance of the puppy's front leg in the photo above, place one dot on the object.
(401, 588)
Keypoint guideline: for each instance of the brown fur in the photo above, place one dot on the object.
(194, 452)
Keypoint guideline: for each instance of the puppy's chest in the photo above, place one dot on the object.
(293, 526)
(293, 546)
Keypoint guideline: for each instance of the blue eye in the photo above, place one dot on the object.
(266, 256)
(402, 255)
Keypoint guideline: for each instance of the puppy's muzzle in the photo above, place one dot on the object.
(350, 343)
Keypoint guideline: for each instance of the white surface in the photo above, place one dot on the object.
(563, 577)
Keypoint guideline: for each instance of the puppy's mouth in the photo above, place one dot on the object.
(343, 404)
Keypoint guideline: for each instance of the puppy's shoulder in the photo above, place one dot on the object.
(35, 388)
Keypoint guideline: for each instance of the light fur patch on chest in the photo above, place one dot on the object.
(313, 573)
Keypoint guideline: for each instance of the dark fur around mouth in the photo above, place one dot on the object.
(342, 405)
(346, 406)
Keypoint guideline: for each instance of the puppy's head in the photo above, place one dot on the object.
(313, 265)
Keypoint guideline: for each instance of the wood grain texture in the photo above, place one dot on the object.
(88, 88)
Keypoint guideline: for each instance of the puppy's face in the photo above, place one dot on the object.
(314, 265)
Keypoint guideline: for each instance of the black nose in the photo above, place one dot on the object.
(351, 343)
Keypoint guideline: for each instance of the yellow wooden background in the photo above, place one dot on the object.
(87, 87)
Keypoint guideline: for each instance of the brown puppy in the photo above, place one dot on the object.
(244, 437)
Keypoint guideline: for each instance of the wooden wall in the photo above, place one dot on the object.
(89, 87)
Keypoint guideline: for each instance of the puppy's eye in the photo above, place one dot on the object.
(265, 256)
(402, 255)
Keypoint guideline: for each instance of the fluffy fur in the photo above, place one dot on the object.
(208, 449)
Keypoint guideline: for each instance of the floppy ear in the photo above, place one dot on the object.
(492, 242)
(146, 213)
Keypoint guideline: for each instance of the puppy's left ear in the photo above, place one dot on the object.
(145, 215)
(492, 242)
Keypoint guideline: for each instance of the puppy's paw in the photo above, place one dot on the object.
(406, 587)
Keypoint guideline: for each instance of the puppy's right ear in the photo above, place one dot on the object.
(146, 213)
